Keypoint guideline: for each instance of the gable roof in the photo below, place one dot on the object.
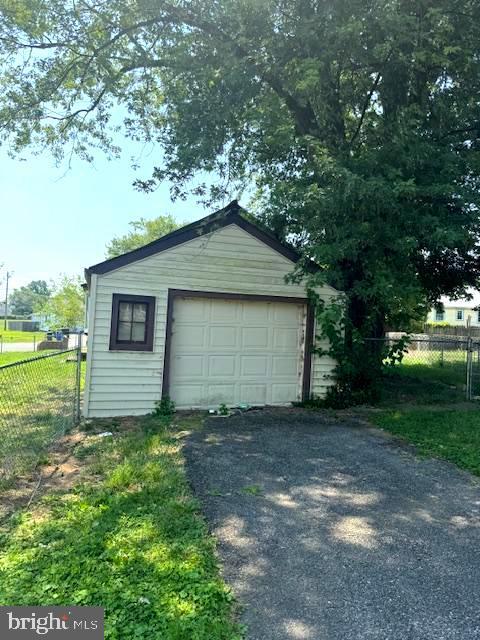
(231, 214)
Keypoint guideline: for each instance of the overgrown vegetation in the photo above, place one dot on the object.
(164, 408)
(128, 537)
(452, 434)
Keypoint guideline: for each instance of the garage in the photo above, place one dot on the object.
(236, 351)
(206, 315)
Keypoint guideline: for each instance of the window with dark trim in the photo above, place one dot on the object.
(132, 325)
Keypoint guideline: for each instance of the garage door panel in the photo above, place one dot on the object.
(253, 365)
(191, 335)
(185, 308)
(254, 393)
(285, 339)
(254, 338)
(189, 395)
(255, 313)
(222, 365)
(222, 336)
(286, 313)
(219, 393)
(224, 310)
(190, 366)
(283, 393)
(285, 365)
(235, 351)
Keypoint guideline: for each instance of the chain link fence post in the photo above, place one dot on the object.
(469, 393)
(78, 378)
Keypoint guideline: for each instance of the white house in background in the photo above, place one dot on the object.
(204, 316)
(457, 312)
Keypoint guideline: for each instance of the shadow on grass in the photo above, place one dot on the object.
(418, 384)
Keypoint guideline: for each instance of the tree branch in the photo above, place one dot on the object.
(305, 119)
(365, 107)
(474, 127)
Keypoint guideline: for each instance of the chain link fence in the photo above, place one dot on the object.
(39, 402)
(452, 362)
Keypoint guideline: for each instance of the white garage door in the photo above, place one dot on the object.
(235, 352)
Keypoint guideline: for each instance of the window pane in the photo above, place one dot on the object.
(124, 330)
(139, 312)
(138, 332)
(125, 311)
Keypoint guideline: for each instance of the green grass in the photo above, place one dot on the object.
(431, 365)
(129, 538)
(400, 389)
(21, 336)
(14, 356)
(452, 434)
(425, 377)
(252, 490)
(36, 405)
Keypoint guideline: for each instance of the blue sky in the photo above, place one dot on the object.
(57, 220)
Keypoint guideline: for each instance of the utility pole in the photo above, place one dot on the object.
(9, 275)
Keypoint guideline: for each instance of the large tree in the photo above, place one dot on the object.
(143, 231)
(358, 122)
(25, 300)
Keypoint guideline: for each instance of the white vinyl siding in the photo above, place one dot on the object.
(227, 260)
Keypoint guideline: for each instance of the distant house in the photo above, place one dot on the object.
(457, 312)
(205, 317)
(42, 320)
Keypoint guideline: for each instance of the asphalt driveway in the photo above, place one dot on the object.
(329, 531)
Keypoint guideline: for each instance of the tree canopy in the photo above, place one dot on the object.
(143, 231)
(357, 122)
(65, 307)
(26, 300)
